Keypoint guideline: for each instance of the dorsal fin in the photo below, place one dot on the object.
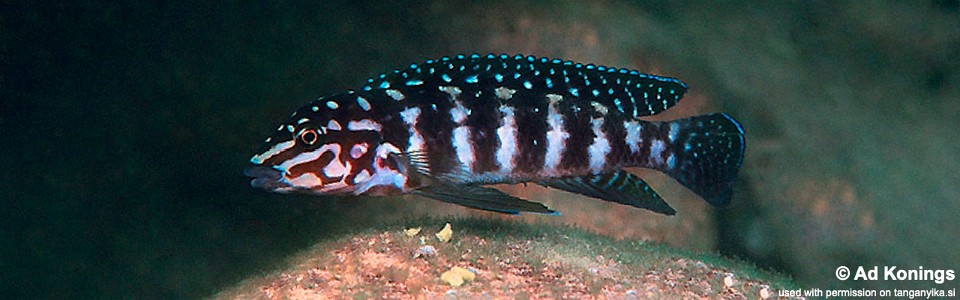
(627, 92)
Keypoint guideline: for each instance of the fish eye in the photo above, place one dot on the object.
(309, 135)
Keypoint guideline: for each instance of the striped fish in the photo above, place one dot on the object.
(446, 128)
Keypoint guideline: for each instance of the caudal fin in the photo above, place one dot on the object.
(707, 152)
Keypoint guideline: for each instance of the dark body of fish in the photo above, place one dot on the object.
(445, 128)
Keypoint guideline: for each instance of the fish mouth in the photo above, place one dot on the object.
(266, 178)
(273, 180)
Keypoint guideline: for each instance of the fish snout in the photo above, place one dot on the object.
(266, 178)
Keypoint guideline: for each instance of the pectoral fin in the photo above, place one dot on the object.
(443, 168)
(620, 187)
(482, 198)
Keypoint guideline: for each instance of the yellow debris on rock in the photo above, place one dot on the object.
(411, 231)
(457, 276)
(467, 275)
(452, 278)
(728, 280)
(445, 234)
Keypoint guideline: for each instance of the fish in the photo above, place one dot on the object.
(448, 128)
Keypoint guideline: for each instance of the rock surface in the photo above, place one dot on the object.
(496, 259)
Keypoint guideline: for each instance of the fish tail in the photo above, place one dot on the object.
(704, 154)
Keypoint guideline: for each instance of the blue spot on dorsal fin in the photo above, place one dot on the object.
(527, 72)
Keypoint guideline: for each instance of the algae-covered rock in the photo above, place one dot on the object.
(504, 259)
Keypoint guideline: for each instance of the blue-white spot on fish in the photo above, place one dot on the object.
(445, 128)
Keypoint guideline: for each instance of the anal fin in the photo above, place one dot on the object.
(620, 187)
(482, 198)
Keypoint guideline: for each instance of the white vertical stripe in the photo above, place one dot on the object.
(459, 113)
(674, 129)
(410, 117)
(555, 135)
(633, 129)
(600, 147)
(461, 134)
(507, 133)
(656, 148)
(463, 147)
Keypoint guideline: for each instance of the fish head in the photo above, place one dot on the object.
(326, 147)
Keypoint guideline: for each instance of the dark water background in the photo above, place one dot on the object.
(124, 127)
